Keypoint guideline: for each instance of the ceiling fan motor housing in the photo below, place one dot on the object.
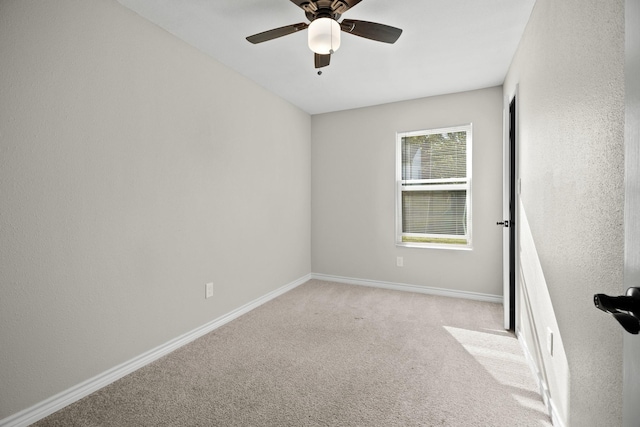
(324, 9)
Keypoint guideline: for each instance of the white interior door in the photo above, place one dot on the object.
(631, 406)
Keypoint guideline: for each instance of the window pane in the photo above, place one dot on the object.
(435, 156)
(434, 212)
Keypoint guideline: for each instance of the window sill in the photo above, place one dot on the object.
(434, 246)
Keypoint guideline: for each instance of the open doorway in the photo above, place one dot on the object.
(510, 184)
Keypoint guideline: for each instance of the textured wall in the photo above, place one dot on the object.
(353, 193)
(569, 67)
(133, 170)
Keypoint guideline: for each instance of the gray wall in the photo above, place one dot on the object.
(133, 170)
(353, 193)
(569, 67)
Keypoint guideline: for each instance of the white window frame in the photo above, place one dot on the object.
(433, 185)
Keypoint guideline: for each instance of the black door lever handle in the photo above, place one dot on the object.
(504, 223)
(625, 309)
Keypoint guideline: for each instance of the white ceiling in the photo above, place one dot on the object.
(447, 46)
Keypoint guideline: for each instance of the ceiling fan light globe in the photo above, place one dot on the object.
(324, 36)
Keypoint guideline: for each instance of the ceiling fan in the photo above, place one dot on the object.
(324, 28)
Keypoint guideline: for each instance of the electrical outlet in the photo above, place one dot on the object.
(208, 290)
(550, 341)
(399, 261)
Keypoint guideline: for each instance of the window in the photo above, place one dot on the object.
(433, 200)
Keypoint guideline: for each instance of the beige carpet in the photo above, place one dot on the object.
(327, 354)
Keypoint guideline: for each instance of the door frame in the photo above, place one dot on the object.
(631, 343)
(510, 193)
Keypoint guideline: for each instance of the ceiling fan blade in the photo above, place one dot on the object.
(371, 30)
(352, 3)
(300, 3)
(322, 60)
(276, 32)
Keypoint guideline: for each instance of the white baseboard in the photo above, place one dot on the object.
(542, 385)
(73, 394)
(409, 288)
